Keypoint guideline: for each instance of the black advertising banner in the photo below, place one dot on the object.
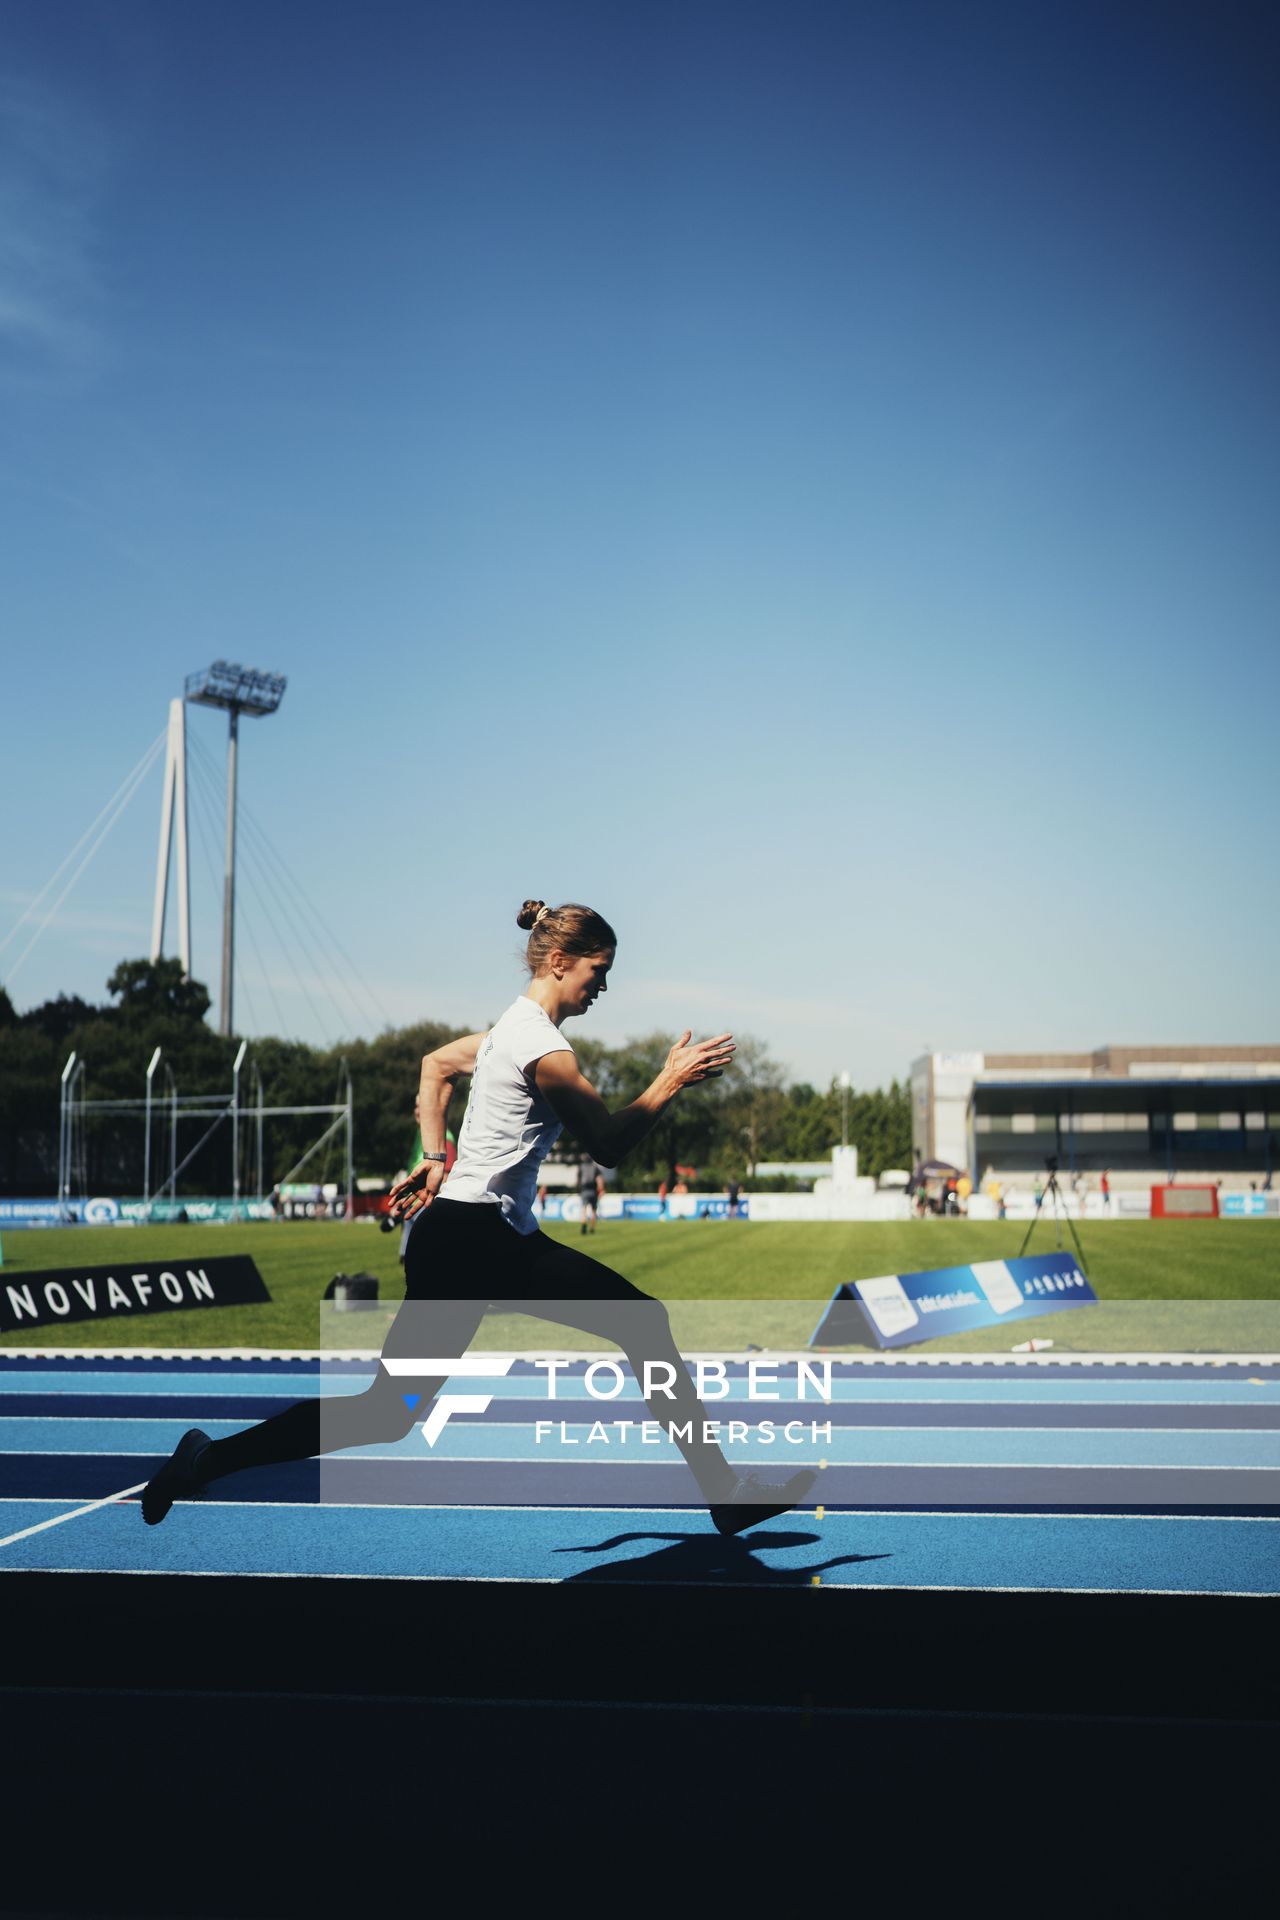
(127, 1292)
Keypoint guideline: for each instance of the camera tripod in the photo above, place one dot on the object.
(1060, 1214)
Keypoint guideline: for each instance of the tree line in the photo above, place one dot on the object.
(714, 1133)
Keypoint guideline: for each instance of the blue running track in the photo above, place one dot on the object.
(1123, 1478)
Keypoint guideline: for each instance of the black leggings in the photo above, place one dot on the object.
(467, 1249)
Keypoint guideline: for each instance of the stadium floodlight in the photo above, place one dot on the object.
(240, 690)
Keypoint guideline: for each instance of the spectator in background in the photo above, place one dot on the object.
(735, 1200)
(1105, 1185)
(588, 1192)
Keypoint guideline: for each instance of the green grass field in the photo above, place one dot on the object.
(1163, 1285)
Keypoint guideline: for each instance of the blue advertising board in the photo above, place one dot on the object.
(903, 1309)
(103, 1211)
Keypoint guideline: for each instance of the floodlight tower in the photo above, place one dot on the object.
(239, 690)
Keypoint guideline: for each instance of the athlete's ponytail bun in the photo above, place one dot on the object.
(571, 929)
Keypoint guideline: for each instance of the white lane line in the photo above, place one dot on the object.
(75, 1514)
(359, 1356)
(694, 1508)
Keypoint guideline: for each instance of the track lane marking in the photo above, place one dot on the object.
(60, 1518)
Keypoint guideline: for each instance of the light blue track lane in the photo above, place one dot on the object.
(848, 1550)
(911, 1386)
(472, 1439)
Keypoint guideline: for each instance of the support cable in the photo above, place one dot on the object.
(284, 877)
(353, 986)
(136, 778)
(33, 905)
(301, 941)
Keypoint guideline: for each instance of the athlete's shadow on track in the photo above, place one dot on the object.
(699, 1557)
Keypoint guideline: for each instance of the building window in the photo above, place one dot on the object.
(1184, 1123)
(1229, 1122)
(1255, 1122)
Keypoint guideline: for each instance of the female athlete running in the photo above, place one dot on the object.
(475, 1243)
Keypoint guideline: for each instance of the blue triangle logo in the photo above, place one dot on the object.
(411, 1400)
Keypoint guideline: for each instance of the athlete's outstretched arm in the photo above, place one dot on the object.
(441, 1072)
(608, 1137)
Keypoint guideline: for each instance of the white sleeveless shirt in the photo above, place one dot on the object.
(509, 1127)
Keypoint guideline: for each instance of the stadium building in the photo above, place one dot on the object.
(1146, 1114)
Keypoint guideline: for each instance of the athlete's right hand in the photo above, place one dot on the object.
(417, 1191)
(690, 1061)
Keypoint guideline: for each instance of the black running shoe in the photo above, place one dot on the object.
(756, 1500)
(176, 1479)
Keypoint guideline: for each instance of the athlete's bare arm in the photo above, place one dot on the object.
(441, 1072)
(608, 1137)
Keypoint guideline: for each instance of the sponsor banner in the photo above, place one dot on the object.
(31, 1213)
(143, 1287)
(903, 1309)
(646, 1206)
(309, 1210)
(1249, 1206)
(103, 1211)
(703, 1206)
(202, 1212)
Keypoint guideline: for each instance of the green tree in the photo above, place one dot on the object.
(148, 987)
(57, 1018)
(811, 1124)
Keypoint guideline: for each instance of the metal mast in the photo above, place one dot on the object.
(239, 690)
(173, 817)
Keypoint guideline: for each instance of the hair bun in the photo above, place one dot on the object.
(529, 913)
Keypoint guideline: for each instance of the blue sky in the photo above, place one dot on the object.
(801, 478)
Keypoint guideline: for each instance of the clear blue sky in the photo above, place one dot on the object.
(799, 477)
